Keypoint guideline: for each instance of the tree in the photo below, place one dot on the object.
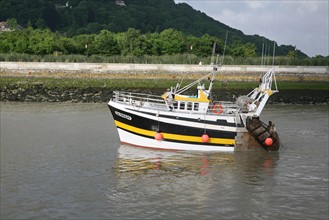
(12, 23)
(51, 16)
(42, 42)
(104, 43)
(83, 42)
(102, 16)
(155, 44)
(81, 13)
(249, 50)
(40, 23)
(5, 42)
(65, 45)
(134, 43)
(203, 45)
(243, 50)
(22, 41)
(292, 54)
(173, 42)
(94, 28)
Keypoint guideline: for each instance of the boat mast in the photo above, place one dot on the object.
(179, 90)
(261, 63)
(221, 63)
(276, 87)
(215, 66)
(212, 74)
(214, 69)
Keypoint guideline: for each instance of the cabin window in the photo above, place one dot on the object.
(261, 98)
(196, 106)
(175, 104)
(189, 106)
(182, 105)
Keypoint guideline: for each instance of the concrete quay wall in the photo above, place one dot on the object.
(119, 70)
(119, 67)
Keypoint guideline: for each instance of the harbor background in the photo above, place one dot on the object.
(61, 156)
(59, 148)
(64, 161)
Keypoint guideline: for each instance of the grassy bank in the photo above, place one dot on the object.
(139, 83)
(163, 59)
(37, 89)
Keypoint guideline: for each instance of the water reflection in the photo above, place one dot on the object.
(257, 168)
(133, 160)
(188, 183)
(139, 160)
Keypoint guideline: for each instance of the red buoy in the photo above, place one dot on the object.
(205, 138)
(268, 141)
(158, 136)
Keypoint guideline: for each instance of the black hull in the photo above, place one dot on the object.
(178, 128)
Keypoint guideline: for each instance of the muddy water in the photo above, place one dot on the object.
(64, 161)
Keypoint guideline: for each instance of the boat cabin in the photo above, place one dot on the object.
(177, 102)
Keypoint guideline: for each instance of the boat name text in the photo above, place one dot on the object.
(123, 115)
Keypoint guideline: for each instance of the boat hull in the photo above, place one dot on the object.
(145, 142)
(138, 128)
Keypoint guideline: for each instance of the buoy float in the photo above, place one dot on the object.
(158, 136)
(268, 141)
(218, 109)
(205, 138)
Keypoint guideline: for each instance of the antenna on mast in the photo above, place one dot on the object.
(262, 61)
(212, 62)
(268, 55)
(221, 63)
(273, 53)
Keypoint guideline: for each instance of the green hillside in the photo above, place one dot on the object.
(76, 17)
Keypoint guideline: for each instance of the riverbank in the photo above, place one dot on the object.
(95, 82)
(167, 71)
(40, 89)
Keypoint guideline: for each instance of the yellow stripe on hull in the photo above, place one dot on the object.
(176, 137)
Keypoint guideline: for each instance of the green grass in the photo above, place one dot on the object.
(163, 59)
(144, 83)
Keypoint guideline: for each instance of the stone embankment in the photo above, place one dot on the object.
(40, 93)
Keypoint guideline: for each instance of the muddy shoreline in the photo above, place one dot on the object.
(41, 93)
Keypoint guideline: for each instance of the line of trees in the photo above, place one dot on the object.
(132, 43)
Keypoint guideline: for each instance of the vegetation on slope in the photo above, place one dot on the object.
(79, 17)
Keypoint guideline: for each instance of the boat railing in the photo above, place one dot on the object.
(156, 102)
(137, 99)
(222, 107)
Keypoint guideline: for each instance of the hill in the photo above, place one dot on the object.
(75, 17)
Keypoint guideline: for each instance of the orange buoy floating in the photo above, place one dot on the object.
(158, 136)
(205, 138)
(268, 142)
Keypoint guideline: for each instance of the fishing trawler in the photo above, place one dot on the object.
(179, 120)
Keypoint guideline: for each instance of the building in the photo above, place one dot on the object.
(120, 2)
(4, 26)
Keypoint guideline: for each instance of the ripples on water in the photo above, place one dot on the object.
(193, 185)
(63, 161)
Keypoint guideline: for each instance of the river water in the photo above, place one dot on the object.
(64, 161)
